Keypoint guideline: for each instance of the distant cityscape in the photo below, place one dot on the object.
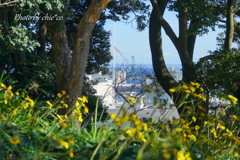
(174, 69)
(130, 81)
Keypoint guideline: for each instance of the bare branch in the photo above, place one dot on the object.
(8, 3)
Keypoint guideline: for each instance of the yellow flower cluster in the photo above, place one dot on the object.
(137, 128)
(219, 135)
(80, 104)
(193, 89)
(14, 103)
(15, 140)
(182, 156)
(7, 93)
(65, 143)
(60, 95)
(59, 102)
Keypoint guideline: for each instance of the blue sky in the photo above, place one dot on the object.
(130, 42)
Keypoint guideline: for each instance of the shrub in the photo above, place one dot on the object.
(33, 130)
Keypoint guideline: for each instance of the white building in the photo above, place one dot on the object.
(114, 97)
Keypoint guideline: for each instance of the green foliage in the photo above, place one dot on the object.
(117, 10)
(27, 132)
(206, 20)
(18, 39)
(216, 72)
(33, 5)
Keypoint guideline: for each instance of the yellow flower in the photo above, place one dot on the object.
(180, 155)
(204, 98)
(147, 86)
(65, 105)
(187, 91)
(194, 119)
(195, 84)
(59, 95)
(9, 88)
(53, 137)
(3, 85)
(63, 143)
(185, 87)
(207, 123)
(5, 101)
(15, 111)
(141, 137)
(70, 139)
(166, 155)
(201, 89)
(222, 112)
(192, 89)
(197, 127)
(113, 115)
(77, 104)
(145, 127)
(131, 132)
(185, 126)
(15, 140)
(132, 100)
(63, 125)
(59, 117)
(172, 90)
(83, 99)
(212, 130)
(222, 127)
(234, 117)
(192, 137)
(178, 129)
(85, 109)
(175, 122)
(232, 97)
(63, 93)
(71, 154)
(50, 105)
(188, 156)
(80, 118)
(235, 153)
(31, 102)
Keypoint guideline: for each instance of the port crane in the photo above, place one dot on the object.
(133, 58)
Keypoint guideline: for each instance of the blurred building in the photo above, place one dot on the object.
(176, 73)
(114, 96)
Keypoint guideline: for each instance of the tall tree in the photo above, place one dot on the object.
(191, 22)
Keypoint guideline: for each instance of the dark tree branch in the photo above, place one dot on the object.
(8, 3)
(168, 29)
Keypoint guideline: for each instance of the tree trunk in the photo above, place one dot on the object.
(71, 67)
(184, 45)
(230, 25)
(81, 47)
(229, 38)
(155, 39)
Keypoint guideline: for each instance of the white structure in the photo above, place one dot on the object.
(176, 74)
(121, 76)
(105, 92)
(113, 97)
